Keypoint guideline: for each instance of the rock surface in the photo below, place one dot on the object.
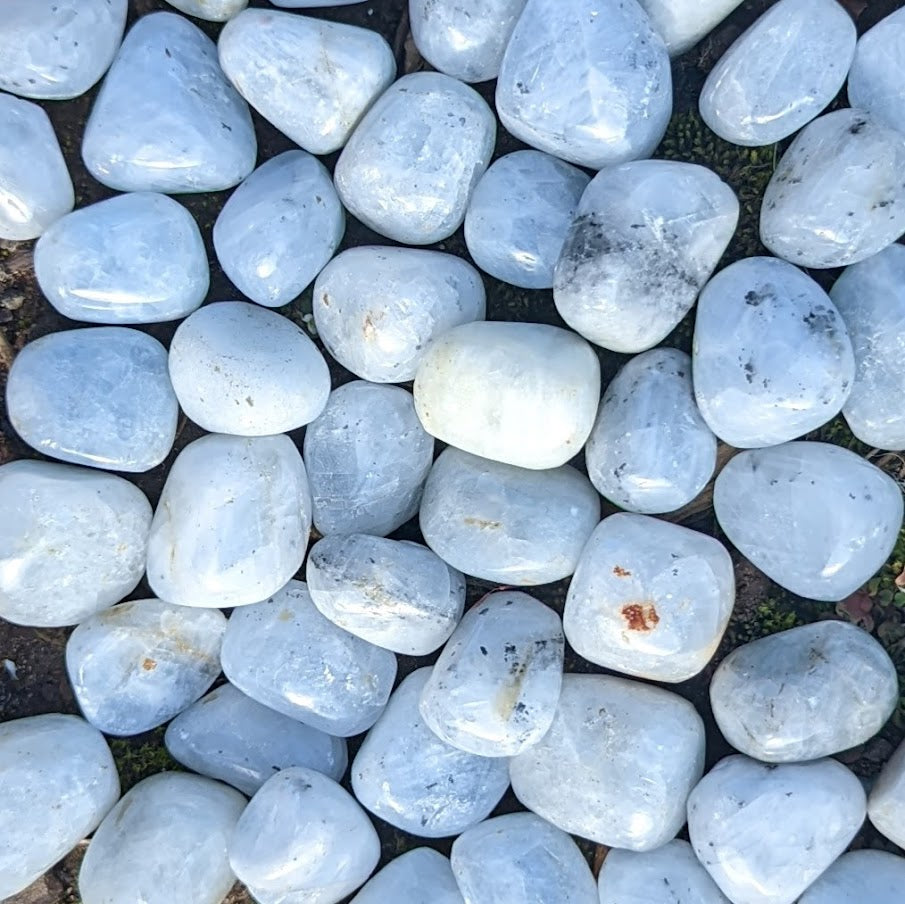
(878, 72)
(420, 876)
(212, 10)
(682, 23)
(873, 876)
(886, 804)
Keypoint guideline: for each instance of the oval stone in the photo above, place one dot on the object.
(886, 804)
(419, 876)
(681, 24)
(211, 10)
(874, 876)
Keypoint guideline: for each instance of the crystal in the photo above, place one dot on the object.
(886, 804)
(836, 196)
(238, 368)
(645, 239)
(682, 23)
(629, 753)
(368, 457)
(72, 543)
(99, 396)
(569, 86)
(772, 357)
(212, 10)
(285, 654)
(166, 118)
(376, 308)
(404, 774)
(409, 168)
(232, 523)
(505, 524)
(532, 392)
(766, 832)
(393, 593)
(874, 876)
(420, 876)
(878, 71)
(816, 518)
(519, 215)
(135, 258)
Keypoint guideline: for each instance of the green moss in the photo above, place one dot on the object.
(138, 757)
(770, 616)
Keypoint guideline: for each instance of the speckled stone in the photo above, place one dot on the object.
(874, 876)
(211, 10)
(419, 876)
(877, 75)
(886, 804)
(682, 23)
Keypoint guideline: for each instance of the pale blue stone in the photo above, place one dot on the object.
(886, 804)
(420, 876)
(212, 10)
(682, 23)
(876, 81)
(874, 876)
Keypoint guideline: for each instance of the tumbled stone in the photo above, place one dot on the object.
(165, 841)
(781, 73)
(836, 196)
(212, 10)
(420, 876)
(376, 308)
(682, 23)
(232, 523)
(645, 239)
(505, 524)
(617, 764)
(367, 457)
(410, 166)
(100, 397)
(285, 654)
(73, 542)
(766, 832)
(519, 216)
(874, 876)
(166, 118)
(878, 72)
(886, 804)
(650, 451)
(135, 258)
(407, 776)
(569, 87)
(393, 593)
(772, 358)
(816, 518)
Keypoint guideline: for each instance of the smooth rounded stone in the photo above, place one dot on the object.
(645, 238)
(368, 457)
(682, 23)
(392, 593)
(766, 832)
(376, 308)
(874, 876)
(404, 774)
(134, 258)
(166, 118)
(410, 166)
(49, 802)
(781, 73)
(519, 216)
(99, 397)
(211, 10)
(505, 524)
(420, 876)
(606, 101)
(837, 195)
(631, 754)
(519, 857)
(877, 72)
(649, 598)
(870, 296)
(886, 804)
(165, 841)
(285, 654)
(232, 523)
(303, 838)
(650, 451)
(35, 188)
(817, 519)
(772, 357)
(134, 666)
(73, 542)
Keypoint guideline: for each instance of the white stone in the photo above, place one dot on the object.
(766, 832)
(367, 457)
(682, 23)
(532, 392)
(569, 86)
(410, 166)
(376, 308)
(816, 518)
(72, 543)
(772, 357)
(645, 239)
(837, 195)
(650, 451)
(519, 216)
(232, 523)
(57, 782)
(404, 774)
(505, 524)
(781, 73)
(420, 876)
(285, 654)
(874, 876)
(393, 593)
(886, 804)
(166, 118)
(165, 841)
(617, 764)
(134, 258)
(211, 10)
(100, 397)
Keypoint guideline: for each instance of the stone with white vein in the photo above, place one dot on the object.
(864, 875)
(876, 80)
(682, 23)
(419, 876)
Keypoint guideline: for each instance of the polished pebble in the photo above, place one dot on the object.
(419, 876)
